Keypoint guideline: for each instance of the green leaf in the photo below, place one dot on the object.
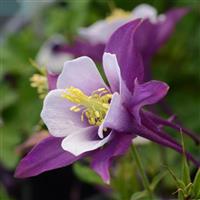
(139, 195)
(86, 174)
(180, 195)
(196, 185)
(185, 167)
(157, 179)
(179, 183)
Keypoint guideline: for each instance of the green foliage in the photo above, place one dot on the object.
(84, 173)
(139, 195)
(196, 185)
(185, 167)
(186, 189)
(18, 99)
(144, 194)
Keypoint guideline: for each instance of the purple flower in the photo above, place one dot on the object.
(127, 42)
(101, 30)
(87, 117)
(152, 35)
(157, 28)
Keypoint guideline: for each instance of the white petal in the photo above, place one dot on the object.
(101, 31)
(145, 11)
(81, 73)
(117, 117)
(57, 116)
(95, 33)
(83, 140)
(112, 71)
(161, 18)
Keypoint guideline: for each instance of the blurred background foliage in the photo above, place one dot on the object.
(178, 64)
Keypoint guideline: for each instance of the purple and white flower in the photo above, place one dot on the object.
(87, 117)
(91, 40)
(100, 31)
(153, 34)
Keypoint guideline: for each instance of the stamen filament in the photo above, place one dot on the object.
(93, 107)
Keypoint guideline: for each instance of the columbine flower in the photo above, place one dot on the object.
(87, 117)
(91, 41)
(101, 31)
(157, 28)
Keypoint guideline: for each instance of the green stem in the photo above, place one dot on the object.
(142, 172)
(163, 155)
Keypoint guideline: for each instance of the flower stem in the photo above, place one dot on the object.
(142, 172)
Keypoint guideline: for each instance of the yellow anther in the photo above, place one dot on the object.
(97, 114)
(98, 123)
(105, 105)
(87, 114)
(109, 96)
(102, 89)
(93, 107)
(92, 121)
(82, 116)
(75, 108)
(40, 82)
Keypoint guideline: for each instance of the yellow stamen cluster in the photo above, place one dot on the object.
(118, 14)
(93, 107)
(40, 82)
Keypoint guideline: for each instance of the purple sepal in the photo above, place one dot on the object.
(101, 160)
(148, 39)
(147, 94)
(82, 48)
(123, 44)
(45, 156)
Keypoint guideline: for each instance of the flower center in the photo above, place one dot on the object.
(93, 107)
(118, 14)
